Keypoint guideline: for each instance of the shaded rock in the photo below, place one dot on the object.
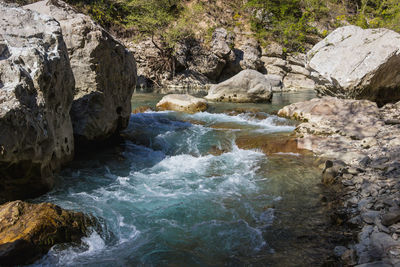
(275, 81)
(275, 61)
(251, 55)
(391, 217)
(36, 92)
(358, 63)
(298, 59)
(104, 71)
(332, 170)
(275, 70)
(27, 231)
(370, 216)
(185, 103)
(352, 118)
(222, 42)
(247, 86)
(294, 81)
(273, 50)
(295, 69)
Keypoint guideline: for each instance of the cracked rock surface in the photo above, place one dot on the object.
(36, 92)
(357, 63)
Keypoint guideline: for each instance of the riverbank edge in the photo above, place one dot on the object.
(364, 173)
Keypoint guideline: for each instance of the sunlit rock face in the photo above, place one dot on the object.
(27, 231)
(357, 63)
(104, 70)
(36, 92)
(247, 86)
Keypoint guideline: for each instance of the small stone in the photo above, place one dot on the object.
(370, 216)
(339, 251)
(353, 171)
(365, 161)
(391, 217)
(347, 176)
(347, 182)
(348, 257)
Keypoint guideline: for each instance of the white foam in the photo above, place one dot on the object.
(269, 124)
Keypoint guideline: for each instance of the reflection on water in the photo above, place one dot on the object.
(164, 199)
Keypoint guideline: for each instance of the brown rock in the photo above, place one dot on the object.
(269, 144)
(28, 231)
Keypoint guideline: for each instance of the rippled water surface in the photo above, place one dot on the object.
(178, 191)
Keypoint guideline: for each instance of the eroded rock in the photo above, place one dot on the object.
(36, 92)
(104, 71)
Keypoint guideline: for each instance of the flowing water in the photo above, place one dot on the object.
(178, 191)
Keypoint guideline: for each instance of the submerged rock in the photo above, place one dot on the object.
(104, 70)
(357, 63)
(27, 231)
(36, 92)
(247, 86)
(184, 103)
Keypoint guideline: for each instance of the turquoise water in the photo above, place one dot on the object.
(164, 199)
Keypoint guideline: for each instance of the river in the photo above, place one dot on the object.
(197, 190)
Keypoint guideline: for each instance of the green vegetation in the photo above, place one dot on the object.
(286, 21)
(378, 13)
(289, 22)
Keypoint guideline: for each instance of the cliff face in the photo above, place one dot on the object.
(104, 71)
(49, 102)
(36, 92)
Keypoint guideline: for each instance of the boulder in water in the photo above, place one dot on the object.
(247, 86)
(184, 103)
(36, 92)
(357, 63)
(104, 71)
(27, 231)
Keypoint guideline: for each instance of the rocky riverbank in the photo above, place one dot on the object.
(58, 92)
(362, 143)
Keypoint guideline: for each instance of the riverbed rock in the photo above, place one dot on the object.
(27, 231)
(391, 217)
(36, 92)
(104, 71)
(296, 81)
(352, 118)
(358, 63)
(182, 102)
(247, 86)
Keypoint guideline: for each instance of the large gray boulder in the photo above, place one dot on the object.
(357, 63)
(247, 86)
(36, 92)
(104, 70)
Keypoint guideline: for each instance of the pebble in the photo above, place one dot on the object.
(391, 217)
